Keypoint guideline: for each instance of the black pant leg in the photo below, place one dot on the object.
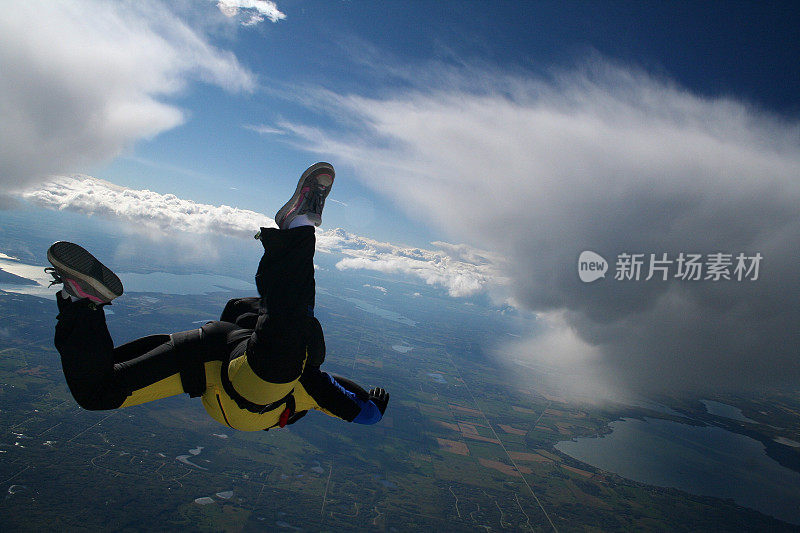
(285, 280)
(285, 276)
(101, 377)
(87, 355)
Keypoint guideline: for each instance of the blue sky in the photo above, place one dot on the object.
(480, 147)
(730, 49)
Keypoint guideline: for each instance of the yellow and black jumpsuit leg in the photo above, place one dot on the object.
(261, 359)
(102, 377)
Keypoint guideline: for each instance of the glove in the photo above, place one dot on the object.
(380, 398)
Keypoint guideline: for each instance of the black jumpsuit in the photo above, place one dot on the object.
(256, 368)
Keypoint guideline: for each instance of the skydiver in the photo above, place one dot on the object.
(256, 368)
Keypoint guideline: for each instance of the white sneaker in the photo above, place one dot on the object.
(309, 198)
(83, 276)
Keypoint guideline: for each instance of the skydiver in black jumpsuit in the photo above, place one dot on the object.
(256, 368)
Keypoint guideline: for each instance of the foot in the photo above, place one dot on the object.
(83, 276)
(309, 198)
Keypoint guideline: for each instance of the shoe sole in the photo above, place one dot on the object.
(287, 207)
(77, 263)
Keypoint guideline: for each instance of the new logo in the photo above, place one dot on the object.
(591, 266)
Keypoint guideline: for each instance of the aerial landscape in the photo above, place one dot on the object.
(461, 448)
(562, 237)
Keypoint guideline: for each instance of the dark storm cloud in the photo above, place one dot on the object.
(612, 160)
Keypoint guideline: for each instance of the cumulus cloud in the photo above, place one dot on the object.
(83, 80)
(460, 276)
(256, 10)
(613, 160)
(459, 269)
(163, 212)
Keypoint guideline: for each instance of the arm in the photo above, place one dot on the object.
(342, 398)
(380, 399)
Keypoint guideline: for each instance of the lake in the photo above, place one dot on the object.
(158, 282)
(725, 410)
(705, 460)
(383, 313)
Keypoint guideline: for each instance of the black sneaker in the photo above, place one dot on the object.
(83, 276)
(309, 198)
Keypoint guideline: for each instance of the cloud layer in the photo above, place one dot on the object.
(613, 160)
(461, 270)
(82, 80)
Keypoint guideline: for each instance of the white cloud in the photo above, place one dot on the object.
(458, 275)
(263, 129)
(255, 10)
(602, 158)
(462, 271)
(163, 212)
(376, 287)
(83, 80)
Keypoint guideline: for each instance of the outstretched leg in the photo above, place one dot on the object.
(276, 350)
(285, 280)
(87, 355)
(100, 376)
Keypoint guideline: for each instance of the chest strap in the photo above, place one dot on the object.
(247, 405)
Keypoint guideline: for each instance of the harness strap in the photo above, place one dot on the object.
(244, 403)
(192, 367)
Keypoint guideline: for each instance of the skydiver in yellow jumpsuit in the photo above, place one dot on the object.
(256, 368)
